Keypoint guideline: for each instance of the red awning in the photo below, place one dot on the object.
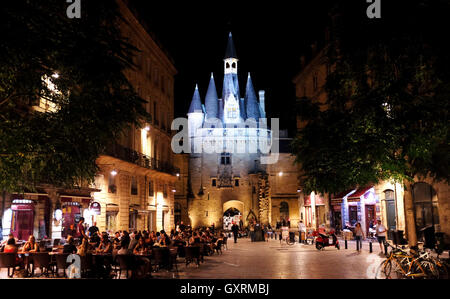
(356, 195)
(360, 192)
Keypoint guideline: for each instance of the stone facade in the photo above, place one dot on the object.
(143, 198)
(233, 176)
(388, 197)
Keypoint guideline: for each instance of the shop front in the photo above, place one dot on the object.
(355, 206)
(73, 208)
(315, 211)
(22, 218)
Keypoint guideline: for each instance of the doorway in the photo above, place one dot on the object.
(353, 215)
(230, 216)
(370, 216)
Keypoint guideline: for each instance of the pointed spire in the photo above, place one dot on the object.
(196, 103)
(212, 100)
(231, 50)
(251, 100)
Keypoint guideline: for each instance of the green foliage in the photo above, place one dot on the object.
(387, 107)
(95, 100)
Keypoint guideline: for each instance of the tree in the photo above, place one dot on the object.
(75, 65)
(386, 115)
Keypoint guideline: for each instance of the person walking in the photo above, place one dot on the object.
(301, 232)
(235, 229)
(252, 232)
(381, 234)
(359, 236)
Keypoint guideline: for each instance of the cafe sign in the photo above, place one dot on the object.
(95, 208)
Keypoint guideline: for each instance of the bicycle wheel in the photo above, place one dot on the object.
(430, 269)
(384, 267)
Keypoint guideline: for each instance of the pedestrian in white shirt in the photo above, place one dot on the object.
(301, 232)
(381, 234)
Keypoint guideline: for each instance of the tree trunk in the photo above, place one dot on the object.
(409, 217)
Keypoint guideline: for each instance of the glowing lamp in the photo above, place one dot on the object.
(114, 172)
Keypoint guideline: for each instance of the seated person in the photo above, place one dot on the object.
(116, 240)
(31, 245)
(164, 241)
(141, 247)
(5, 242)
(95, 240)
(105, 244)
(69, 246)
(124, 244)
(82, 250)
(10, 246)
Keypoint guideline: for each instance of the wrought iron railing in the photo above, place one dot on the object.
(126, 154)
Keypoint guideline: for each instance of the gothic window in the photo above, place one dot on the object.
(227, 65)
(225, 159)
(214, 182)
(233, 65)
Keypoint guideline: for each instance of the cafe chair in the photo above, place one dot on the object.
(42, 260)
(126, 263)
(61, 263)
(162, 258)
(192, 254)
(8, 260)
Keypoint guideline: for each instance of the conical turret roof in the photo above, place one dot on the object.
(212, 100)
(196, 103)
(231, 50)
(251, 100)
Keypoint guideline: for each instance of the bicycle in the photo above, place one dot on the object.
(401, 264)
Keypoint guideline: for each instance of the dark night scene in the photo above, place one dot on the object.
(219, 149)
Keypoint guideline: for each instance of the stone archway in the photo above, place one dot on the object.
(236, 206)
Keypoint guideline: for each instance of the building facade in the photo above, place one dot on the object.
(385, 200)
(137, 176)
(134, 188)
(224, 178)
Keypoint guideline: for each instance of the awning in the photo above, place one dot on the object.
(341, 195)
(360, 192)
(355, 196)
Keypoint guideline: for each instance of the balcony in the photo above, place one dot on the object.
(132, 156)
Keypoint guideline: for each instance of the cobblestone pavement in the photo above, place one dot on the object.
(270, 260)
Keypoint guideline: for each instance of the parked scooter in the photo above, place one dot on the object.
(323, 241)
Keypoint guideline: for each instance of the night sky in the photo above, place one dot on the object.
(269, 40)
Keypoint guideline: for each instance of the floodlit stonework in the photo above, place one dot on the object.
(228, 180)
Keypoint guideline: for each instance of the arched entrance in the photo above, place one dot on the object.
(284, 211)
(232, 212)
(230, 216)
